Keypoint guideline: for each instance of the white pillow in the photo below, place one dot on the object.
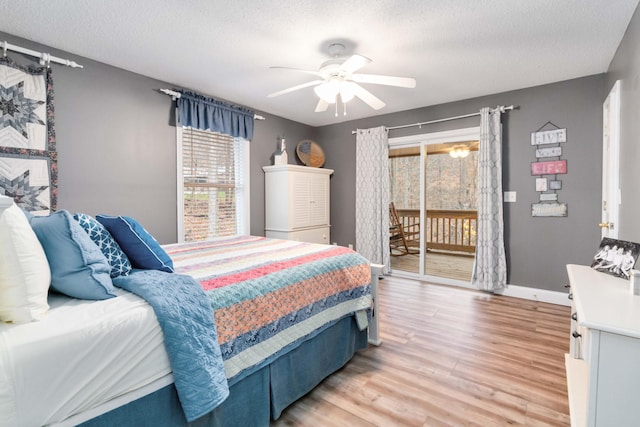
(24, 270)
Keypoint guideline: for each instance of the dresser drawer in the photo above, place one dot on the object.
(580, 338)
(311, 235)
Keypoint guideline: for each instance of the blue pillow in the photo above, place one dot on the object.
(78, 267)
(143, 250)
(120, 265)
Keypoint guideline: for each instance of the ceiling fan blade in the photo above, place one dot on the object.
(315, 73)
(354, 63)
(369, 98)
(321, 106)
(383, 80)
(294, 88)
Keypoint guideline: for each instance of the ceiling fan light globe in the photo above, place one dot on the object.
(327, 91)
(347, 91)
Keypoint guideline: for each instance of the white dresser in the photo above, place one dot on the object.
(297, 204)
(603, 365)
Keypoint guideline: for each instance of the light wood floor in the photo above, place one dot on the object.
(437, 264)
(449, 357)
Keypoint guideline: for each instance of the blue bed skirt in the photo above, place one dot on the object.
(258, 397)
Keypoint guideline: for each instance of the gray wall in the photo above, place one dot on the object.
(116, 144)
(537, 248)
(626, 67)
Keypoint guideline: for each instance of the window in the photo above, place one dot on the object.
(213, 185)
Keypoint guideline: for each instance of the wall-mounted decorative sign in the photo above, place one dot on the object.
(541, 184)
(548, 197)
(553, 167)
(555, 185)
(555, 136)
(549, 152)
(549, 209)
(547, 186)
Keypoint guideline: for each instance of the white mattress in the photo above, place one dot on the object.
(81, 356)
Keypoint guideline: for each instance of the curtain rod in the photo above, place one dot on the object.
(175, 95)
(45, 58)
(500, 108)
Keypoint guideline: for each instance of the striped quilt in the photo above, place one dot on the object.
(269, 294)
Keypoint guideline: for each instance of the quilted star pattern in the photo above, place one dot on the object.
(17, 109)
(118, 260)
(20, 190)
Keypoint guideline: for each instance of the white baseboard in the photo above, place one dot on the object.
(524, 292)
(534, 294)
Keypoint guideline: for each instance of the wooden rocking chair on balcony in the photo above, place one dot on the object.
(398, 238)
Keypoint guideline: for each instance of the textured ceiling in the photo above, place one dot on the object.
(455, 49)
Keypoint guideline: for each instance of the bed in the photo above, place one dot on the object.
(287, 314)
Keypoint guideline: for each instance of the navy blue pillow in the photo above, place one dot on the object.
(78, 267)
(143, 250)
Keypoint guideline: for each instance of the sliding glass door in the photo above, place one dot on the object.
(450, 209)
(404, 209)
(434, 199)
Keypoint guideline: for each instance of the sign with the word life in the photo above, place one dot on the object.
(549, 168)
(555, 136)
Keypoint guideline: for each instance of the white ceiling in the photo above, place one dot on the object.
(455, 49)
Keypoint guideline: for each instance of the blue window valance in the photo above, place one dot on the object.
(200, 112)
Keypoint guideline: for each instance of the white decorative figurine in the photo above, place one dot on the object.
(280, 156)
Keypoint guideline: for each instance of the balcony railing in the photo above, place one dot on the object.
(446, 230)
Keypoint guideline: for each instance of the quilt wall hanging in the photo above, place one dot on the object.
(28, 159)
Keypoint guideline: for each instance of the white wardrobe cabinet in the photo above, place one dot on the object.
(297, 203)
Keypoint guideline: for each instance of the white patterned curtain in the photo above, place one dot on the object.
(490, 267)
(372, 195)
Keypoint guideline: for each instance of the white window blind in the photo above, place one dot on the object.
(213, 178)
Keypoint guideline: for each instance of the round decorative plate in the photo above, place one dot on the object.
(310, 153)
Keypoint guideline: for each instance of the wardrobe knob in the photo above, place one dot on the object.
(576, 334)
(574, 316)
(570, 296)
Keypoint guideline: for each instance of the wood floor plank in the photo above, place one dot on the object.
(314, 411)
(450, 357)
(540, 416)
(428, 388)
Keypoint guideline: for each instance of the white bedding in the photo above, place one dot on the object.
(78, 377)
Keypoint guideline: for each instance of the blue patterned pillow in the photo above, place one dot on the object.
(120, 265)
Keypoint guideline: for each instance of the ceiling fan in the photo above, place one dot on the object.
(338, 79)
